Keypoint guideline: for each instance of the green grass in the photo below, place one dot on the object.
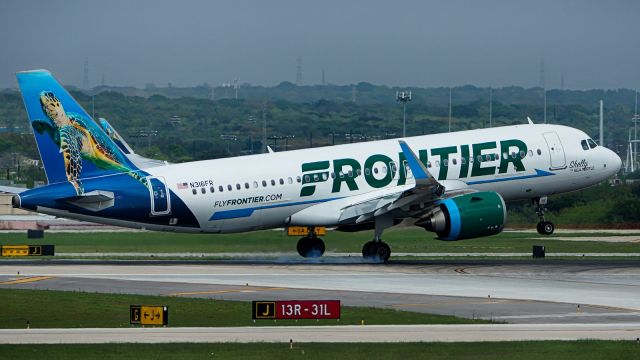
(401, 240)
(526, 350)
(66, 309)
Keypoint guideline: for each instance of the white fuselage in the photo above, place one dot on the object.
(264, 191)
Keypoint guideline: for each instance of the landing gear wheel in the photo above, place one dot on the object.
(544, 227)
(547, 228)
(376, 250)
(310, 247)
(366, 249)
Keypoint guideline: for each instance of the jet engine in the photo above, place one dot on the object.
(467, 216)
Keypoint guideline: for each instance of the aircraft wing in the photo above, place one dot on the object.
(420, 195)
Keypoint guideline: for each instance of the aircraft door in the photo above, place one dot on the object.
(556, 151)
(160, 200)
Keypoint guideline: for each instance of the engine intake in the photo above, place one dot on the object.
(467, 216)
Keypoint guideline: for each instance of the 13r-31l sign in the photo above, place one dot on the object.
(297, 309)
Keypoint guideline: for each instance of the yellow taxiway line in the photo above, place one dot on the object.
(26, 280)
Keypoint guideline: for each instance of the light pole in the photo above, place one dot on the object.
(404, 96)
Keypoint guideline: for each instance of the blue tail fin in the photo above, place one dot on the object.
(72, 146)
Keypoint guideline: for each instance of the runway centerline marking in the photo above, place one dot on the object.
(26, 280)
(453, 302)
(243, 290)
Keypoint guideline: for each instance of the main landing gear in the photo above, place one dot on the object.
(544, 227)
(376, 249)
(310, 246)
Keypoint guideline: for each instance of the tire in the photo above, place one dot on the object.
(366, 249)
(316, 248)
(303, 246)
(548, 228)
(539, 227)
(376, 250)
(383, 251)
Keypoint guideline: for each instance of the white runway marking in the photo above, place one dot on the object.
(362, 334)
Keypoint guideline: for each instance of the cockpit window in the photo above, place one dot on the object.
(584, 144)
(592, 143)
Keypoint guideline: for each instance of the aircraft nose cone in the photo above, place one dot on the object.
(618, 163)
(615, 162)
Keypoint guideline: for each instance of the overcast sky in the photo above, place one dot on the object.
(595, 44)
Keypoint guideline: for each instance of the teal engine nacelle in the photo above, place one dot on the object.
(467, 216)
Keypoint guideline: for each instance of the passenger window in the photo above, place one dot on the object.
(194, 191)
(333, 175)
(428, 164)
(281, 181)
(359, 172)
(454, 161)
(298, 179)
(367, 171)
(513, 155)
(463, 161)
(350, 173)
(445, 162)
(203, 190)
(592, 143)
(315, 177)
(480, 158)
(307, 179)
(584, 144)
(273, 182)
(505, 155)
(290, 180)
(246, 185)
(212, 189)
(220, 188)
(341, 175)
(229, 187)
(375, 170)
(437, 163)
(238, 186)
(264, 183)
(384, 169)
(539, 152)
(255, 184)
(530, 153)
(522, 153)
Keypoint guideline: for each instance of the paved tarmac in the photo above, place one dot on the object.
(350, 334)
(509, 291)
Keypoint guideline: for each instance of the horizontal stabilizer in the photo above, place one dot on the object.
(93, 201)
(12, 189)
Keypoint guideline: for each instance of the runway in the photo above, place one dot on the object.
(509, 291)
(326, 334)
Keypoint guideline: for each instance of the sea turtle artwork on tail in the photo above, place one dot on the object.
(80, 138)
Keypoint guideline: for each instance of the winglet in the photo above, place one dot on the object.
(270, 150)
(420, 172)
(530, 121)
(418, 169)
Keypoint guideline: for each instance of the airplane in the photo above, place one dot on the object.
(453, 184)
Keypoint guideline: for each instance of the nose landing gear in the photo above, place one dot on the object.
(544, 227)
